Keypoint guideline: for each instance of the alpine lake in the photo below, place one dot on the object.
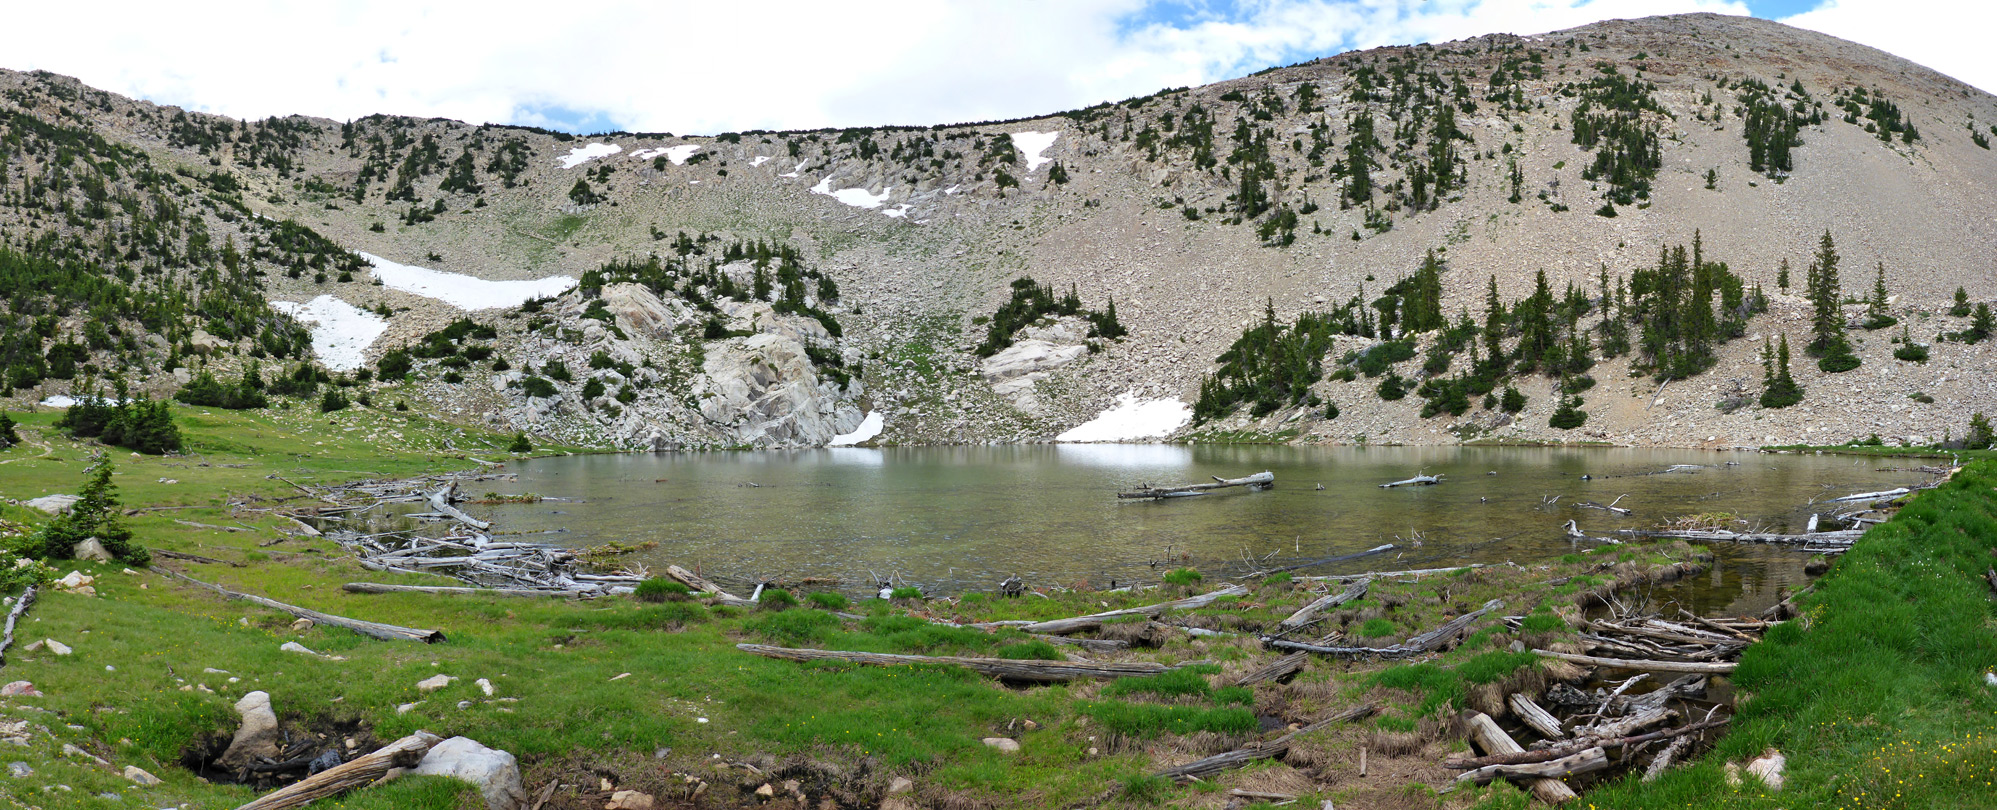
(960, 519)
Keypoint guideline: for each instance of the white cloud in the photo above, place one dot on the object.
(711, 67)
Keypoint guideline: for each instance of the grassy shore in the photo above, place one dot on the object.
(157, 664)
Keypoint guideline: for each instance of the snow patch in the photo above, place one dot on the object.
(341, 332)
(1131, 418)
(588, 152)
(759, 160)
(462, 291)
(898, 211)
(869, 428)
(856, 197)
(951, 190)
(1031, 144)
(795, 169)
(676, 154)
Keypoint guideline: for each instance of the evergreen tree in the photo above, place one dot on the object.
(95, 514)
(1569, 415)
(1826, 322)
(1909, 350)
(1779, 390)
(1961, 308)
(8, 437)
(1535, 318)
(1782, 276)
(1494, 331)
(1512, 401)
(520, 444)
(1876, 316)
(1979, 436)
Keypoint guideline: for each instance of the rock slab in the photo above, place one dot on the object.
(495, 772)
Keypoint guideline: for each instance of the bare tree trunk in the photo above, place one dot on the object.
(403, 753)
(1487, 735)
(20, 609)
(385, 632)
(1651, 666)
(1328, 601)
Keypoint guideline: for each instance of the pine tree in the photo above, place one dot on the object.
(1979, 436)
(1981, 326)
(1876, 316)
(1779, 389)
(95, 514)
(8, 437)
(1826, 322)
(1782, 275)
(1961, 308)
(1569, 415)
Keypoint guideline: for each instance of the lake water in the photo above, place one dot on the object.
(953, 519)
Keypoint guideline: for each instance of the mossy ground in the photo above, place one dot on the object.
(693, 710)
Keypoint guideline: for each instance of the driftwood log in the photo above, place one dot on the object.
(20, 608)
(1261, 480)
(1203, 768)
(452, 590)
(1002, 668)
(1425, 643)
(177, 555)
(441, 502)
(1417, 481)
(361, 772)
(1532, 714)
(385, 632)
(1305, 614)
(1487, 735)
(1413, 572)
(1556, 752)
(1715, 668)
(699, 583)
(1059, 627)
(1592, 759)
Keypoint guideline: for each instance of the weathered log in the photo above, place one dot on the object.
(1261, 480)
(1098, 645)
(1652, 666)
(1064, 626)
(1434, 639)
(1533, 715)
(1424, 643)
(1275, 670)
(1493, 740)
(1606, 507)
(1662, 761)
(362, 771)
(385, 632)
(1308, 612)
(20, 608)
(1592, 759)
(1002, 668)
(1413, 572)
(1831, 538)
(699, 583)
(1419, 480)
(441, 501)
(448, 590)
(177, 555)
(1326, 561)
(1268, 749)
(1571, 746)
(1872, 496)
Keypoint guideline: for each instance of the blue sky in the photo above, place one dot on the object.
(698, 67)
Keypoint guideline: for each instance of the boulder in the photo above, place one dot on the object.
(638, 311)
(139, 776)
(1014, 372)
(629, 800)
(763, 391)
(54, 504)
(496, 773)
(92, 549)
(258, 736)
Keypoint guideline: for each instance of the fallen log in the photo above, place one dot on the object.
(449, 590)
(1276, 670)
(20, 608)
(1487, 735)
(699, 583)
(178, 555)
(1001, 668)
(385, 632)
(1412, 572)
(1592, 759)
(1533, 715)
(441, 501)
(1261, 480)
(1269, 749)
(1556, 752)
(361, 772)
(1872, 496)
(1833, 538)
(1308, 612)
(1424, 643)
(1418, 481)
(1059, 627)
(1652, 666)
(1326, 561)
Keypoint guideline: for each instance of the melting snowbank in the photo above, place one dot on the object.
(676, 154)
(341, 332)
(462, 291)
(1031, 144)
(1130, 418)
(856, 197)
(588, 152)
(869, 428)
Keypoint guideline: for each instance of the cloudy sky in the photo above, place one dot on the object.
(710, 67)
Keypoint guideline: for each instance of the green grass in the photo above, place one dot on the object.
(1876, 695)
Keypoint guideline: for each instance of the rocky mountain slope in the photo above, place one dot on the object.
(772, 289)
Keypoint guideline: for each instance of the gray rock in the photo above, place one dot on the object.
(90, 549)
(496, 773)
(140, 777)
(54, 504)
(1005, 744)
(258, 735)
(763, 390)
(19, 770)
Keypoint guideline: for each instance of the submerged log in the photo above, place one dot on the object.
(1261, 480)
(1200, 769)
(1065, 626)
(1652, 666)
(1487, 735)
(1417, 481)
(1002, 668)
(1841, 537)
(385, 632)
(1308, 612)
(20, 608)
(441, 501)
(361, 772)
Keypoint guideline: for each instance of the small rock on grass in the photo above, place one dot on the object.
(901, 784)
(629, 800)
(1006, 744)
(139, 776)
(19, 770)
(495, 772)
(435, 682)
(20, 689)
